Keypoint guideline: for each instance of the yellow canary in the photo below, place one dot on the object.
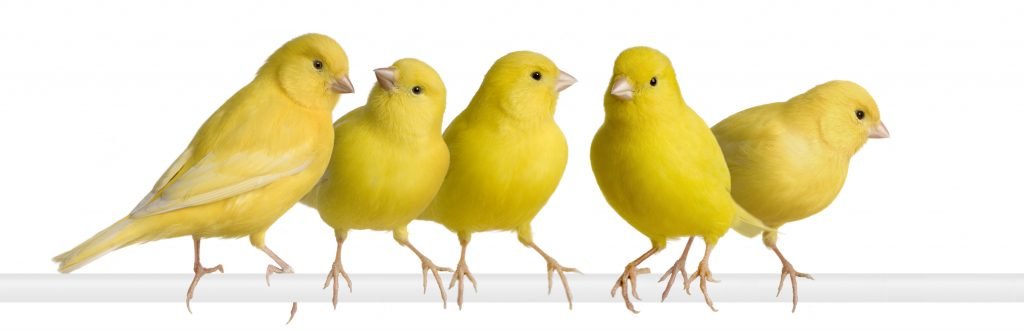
(389, 161)
(659, 167)
(254, 158)
(507, 157)
(789, 159)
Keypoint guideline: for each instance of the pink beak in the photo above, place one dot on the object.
(622, 89)
(878, 131)
(342, 85)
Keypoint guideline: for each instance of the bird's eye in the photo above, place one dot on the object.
(535, 75)
(417, 90)
(860, 114)
(318, 65)
(654, 81)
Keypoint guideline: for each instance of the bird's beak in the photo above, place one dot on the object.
(622, 89)
(386, 78)
(564, 81)
(878, 131)
(342, 85)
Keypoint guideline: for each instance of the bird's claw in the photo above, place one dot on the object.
(704, 273)
(788, 270)
(273, 269)
(553, 267)
(295, 308)
(199, 272)
(462, 272)
(433, 268)
(678, 268)
(626, 280)
(332, 277)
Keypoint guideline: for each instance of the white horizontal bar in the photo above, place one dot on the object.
(504, 288)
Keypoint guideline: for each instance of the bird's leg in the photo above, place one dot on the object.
(788, 270)
(704, 272)
(553, 266)
(426, 264)
(462, 271)
(281, 267)
(628, 278)
(678, 267)
(199, 271)
(337, 270)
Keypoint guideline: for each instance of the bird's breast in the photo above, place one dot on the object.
(657, 185)
(500, 179)
(380, 184)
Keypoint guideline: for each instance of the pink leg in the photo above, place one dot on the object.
(199, 271)
(678, 267)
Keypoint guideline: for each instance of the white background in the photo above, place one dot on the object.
(99, 97)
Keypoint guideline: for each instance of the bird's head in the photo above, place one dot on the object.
(642, 75)
(846, 114)
(311, 69)
(410, 85)
(526, 81)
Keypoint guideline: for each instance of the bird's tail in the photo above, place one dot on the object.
(748, 225)
(122, 233)
(311, 199)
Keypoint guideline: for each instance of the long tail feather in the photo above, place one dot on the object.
(122, 233)
(748, 225)
(311, 198)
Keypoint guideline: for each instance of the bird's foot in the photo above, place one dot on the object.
(678, 268)
(428, 265)
(199, 271)
(332, 277)
(553, 267)
(627, 280)
(291, 316)
(704, 273)
(273, 269)
(787, 270)
(462, 272)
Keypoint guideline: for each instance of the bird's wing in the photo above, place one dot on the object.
(745, 133)
(216, 177)
(172, 171)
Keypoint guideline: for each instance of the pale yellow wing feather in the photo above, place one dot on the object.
(214, 178)
(173, 170)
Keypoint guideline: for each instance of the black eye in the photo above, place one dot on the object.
(417, 90)
(860, 114)
(318, 65)
(535, 75)
(654, 81)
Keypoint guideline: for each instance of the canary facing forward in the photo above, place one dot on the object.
(389, 161)
(507, 157)
(659, 167)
